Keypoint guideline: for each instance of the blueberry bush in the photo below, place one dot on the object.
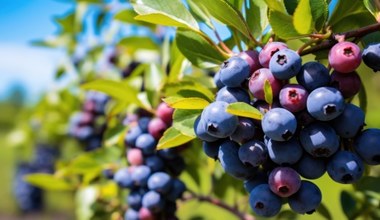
(223, 109)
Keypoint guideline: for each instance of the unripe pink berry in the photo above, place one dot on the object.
(345, 57)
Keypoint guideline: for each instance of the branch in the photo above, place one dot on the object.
(358, 33)
(219, 203)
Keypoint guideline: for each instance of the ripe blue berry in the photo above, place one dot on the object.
(367, 146)
(217, 81)
(284, 181)
(267, 52)
(231, 95)
(284, 152)
(350, 122)
(146, 143)
(153, 201)
(345, 57)
(325, 103)
(154, 162)
(123, 178)
(143, 124)
(371, 56)
(131, 214)
(264, 202)
(279, 124)
(258, 179)
(345, 167)
(293, 97)
(211, 149)
(319, 140)
(313, 75)
(134, 199)
(140, 175)
(229, 159)
(307, 199)
(234, 71)
(285, 64)
(245, 131)
(348, 84)
(310, 167)
(253, 153)
(201, 132)
(219, 123)
(178, 188)
(252, 58)
(160, 182)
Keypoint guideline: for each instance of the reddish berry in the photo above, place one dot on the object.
(345, 57)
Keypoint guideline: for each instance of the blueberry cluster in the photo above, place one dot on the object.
(88, 125)
(29, 198)
(151, 174)
(308, 129)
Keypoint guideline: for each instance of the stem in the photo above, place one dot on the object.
(219, 203)
(358, 33)
(222, 44)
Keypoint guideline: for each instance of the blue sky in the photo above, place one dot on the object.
(22, 21)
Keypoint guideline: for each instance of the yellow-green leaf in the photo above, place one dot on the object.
(172, 138)
(186, 103)
(282, 25)
(48, 182)
(244, 109)
(303, 18)
(268, 94)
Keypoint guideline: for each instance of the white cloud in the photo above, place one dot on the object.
(32, 66)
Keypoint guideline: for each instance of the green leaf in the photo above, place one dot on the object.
(172, 138)
(349, 204)
(282, 25)
(164, 12)
(186, 103)
(302, 18)
(354, 21)
(138, 42)
(154, 79)
(117, 90)
(244, 109)
(177, 88)
(177, 68)
(291, 6)
(128, 16)
(83, 164)
(268, 93)
(226, 13)
(323, 210)
(373, 6)
(183, 120)
(349, 8)
(363, 99)
(276, 5)
(369, 183)
(199, 50)
(199, 14)
(257, 18)
(320, 12)
(48, 182)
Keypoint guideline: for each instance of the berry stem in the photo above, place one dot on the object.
(358, 33)
(214, 201)
(222, 44)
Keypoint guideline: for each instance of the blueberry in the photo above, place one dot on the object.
(257, 82)
(135, 157)
(284, 152)
(252, 58)
(350, 122)
(345, 57)
(160, 182)
(367, 145)
(143, 124)
(219, 123)
(211, 149)
(217, 81)
(231, 95)
(234, 71)
(348, 84)
(153, 201)
(371, 56)
(285, 64)
(313, 75)
(165, 112)
(178, 188)
(134, 199)
(264, 202)
(229, 159)
(307, 199)
(325, 103)
(131, 214)
(123, 178)
(140, 175)
(132, 135)
(310, 167)
(253, 153)
(258, 179)
(245, 131)
(267, 52)
(146, 143)
(157, 127)
(168, 153)
(201, 132)
(319, 140)
(345, 167)
(175, 166)
(154, 162)
(284, 181)
(279, 124)
(293, 97)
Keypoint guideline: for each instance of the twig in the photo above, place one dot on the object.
(358, 33)
(222, 44)
(219, 203)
